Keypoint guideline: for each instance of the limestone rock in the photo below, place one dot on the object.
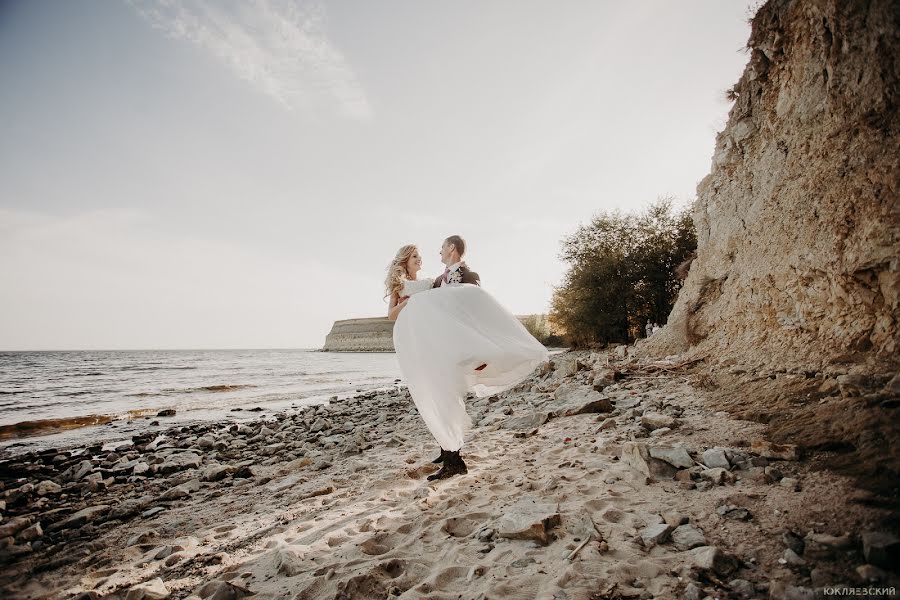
(528, 519)
(651, 421)
(676, 456)
(687, 536)
(574, 399)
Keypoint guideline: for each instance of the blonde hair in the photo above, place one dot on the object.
(396, 271)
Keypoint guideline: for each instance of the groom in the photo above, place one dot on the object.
(452, 251)
(456, 271)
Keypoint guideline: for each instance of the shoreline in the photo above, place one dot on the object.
(637, 489)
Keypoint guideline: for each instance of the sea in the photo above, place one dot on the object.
(60, 398)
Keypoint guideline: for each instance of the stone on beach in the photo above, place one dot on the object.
(181, 491)
(676, 456)
(637, 456)
(81, 517)
(154, 589)
(651, 421)
(528, 519)
(574, 399)
(713, 559)
(686, 537)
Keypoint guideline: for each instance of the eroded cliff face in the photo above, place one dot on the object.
(798, 261)
(361, 335)
(793, 297)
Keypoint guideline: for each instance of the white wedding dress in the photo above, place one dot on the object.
(442, 335)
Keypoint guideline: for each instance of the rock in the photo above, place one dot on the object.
(651, 421)
(660, 432)
(715, 457)
(871, 574)
(288, 563)
(655, 534)
(32, 533)
(686, 537)
(221, 590)
(790, 483)
(566, 366)
(525, 422)
(14, 526)
(780, 590)
(793, 541)
(216, 472)
(574, 399)
(153, 511)
(881, 548)
(792, 558)
(181, 491)
(742, 587)
(603, 378)
(77, 472)
(47, 487)
(318, 425)
(736, 513)
(825, 546)
(674, 519)
(717, 476)
(81, 517)
(206, 442)
(166, 412)
(675, 456)
(129, 508)
(140, 468)
(715, 560)
(528, 520)
(141, 538)
(692, 592)
(154, 589)
(777, 451)
(637, 456)
(245, 472)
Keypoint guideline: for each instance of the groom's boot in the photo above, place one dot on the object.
(453, 465)
(440, 458)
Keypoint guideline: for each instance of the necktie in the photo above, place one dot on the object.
(446, 272)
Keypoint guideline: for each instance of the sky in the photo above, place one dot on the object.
(217, 174)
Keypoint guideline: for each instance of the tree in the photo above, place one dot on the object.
(621, 273)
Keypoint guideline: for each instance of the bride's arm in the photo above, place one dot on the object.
(396, 306)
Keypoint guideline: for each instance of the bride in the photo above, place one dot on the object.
(451, 340)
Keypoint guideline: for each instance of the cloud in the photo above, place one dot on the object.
(280, 48)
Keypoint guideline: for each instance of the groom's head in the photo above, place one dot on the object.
(452, 250)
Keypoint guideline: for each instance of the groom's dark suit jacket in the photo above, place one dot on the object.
(468, 276)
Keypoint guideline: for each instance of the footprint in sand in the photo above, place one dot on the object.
(378, 544)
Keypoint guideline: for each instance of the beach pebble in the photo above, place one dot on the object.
(687, 536)
(154, 589)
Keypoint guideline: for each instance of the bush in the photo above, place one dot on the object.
(622, 274)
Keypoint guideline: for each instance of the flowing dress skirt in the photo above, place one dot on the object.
(441, 336)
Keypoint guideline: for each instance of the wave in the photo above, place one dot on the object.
(45, 426)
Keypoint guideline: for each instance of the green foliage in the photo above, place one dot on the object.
(539, 327)
(622, 274)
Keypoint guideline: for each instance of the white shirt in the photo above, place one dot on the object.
(453, 267)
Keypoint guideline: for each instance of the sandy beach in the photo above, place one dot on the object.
(601, 476)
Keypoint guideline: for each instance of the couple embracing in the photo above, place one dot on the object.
(452, 337)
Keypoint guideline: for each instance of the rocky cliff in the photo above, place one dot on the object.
(793, 295)
(361, 335)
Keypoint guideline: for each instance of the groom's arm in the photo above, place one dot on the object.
(471, 277)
